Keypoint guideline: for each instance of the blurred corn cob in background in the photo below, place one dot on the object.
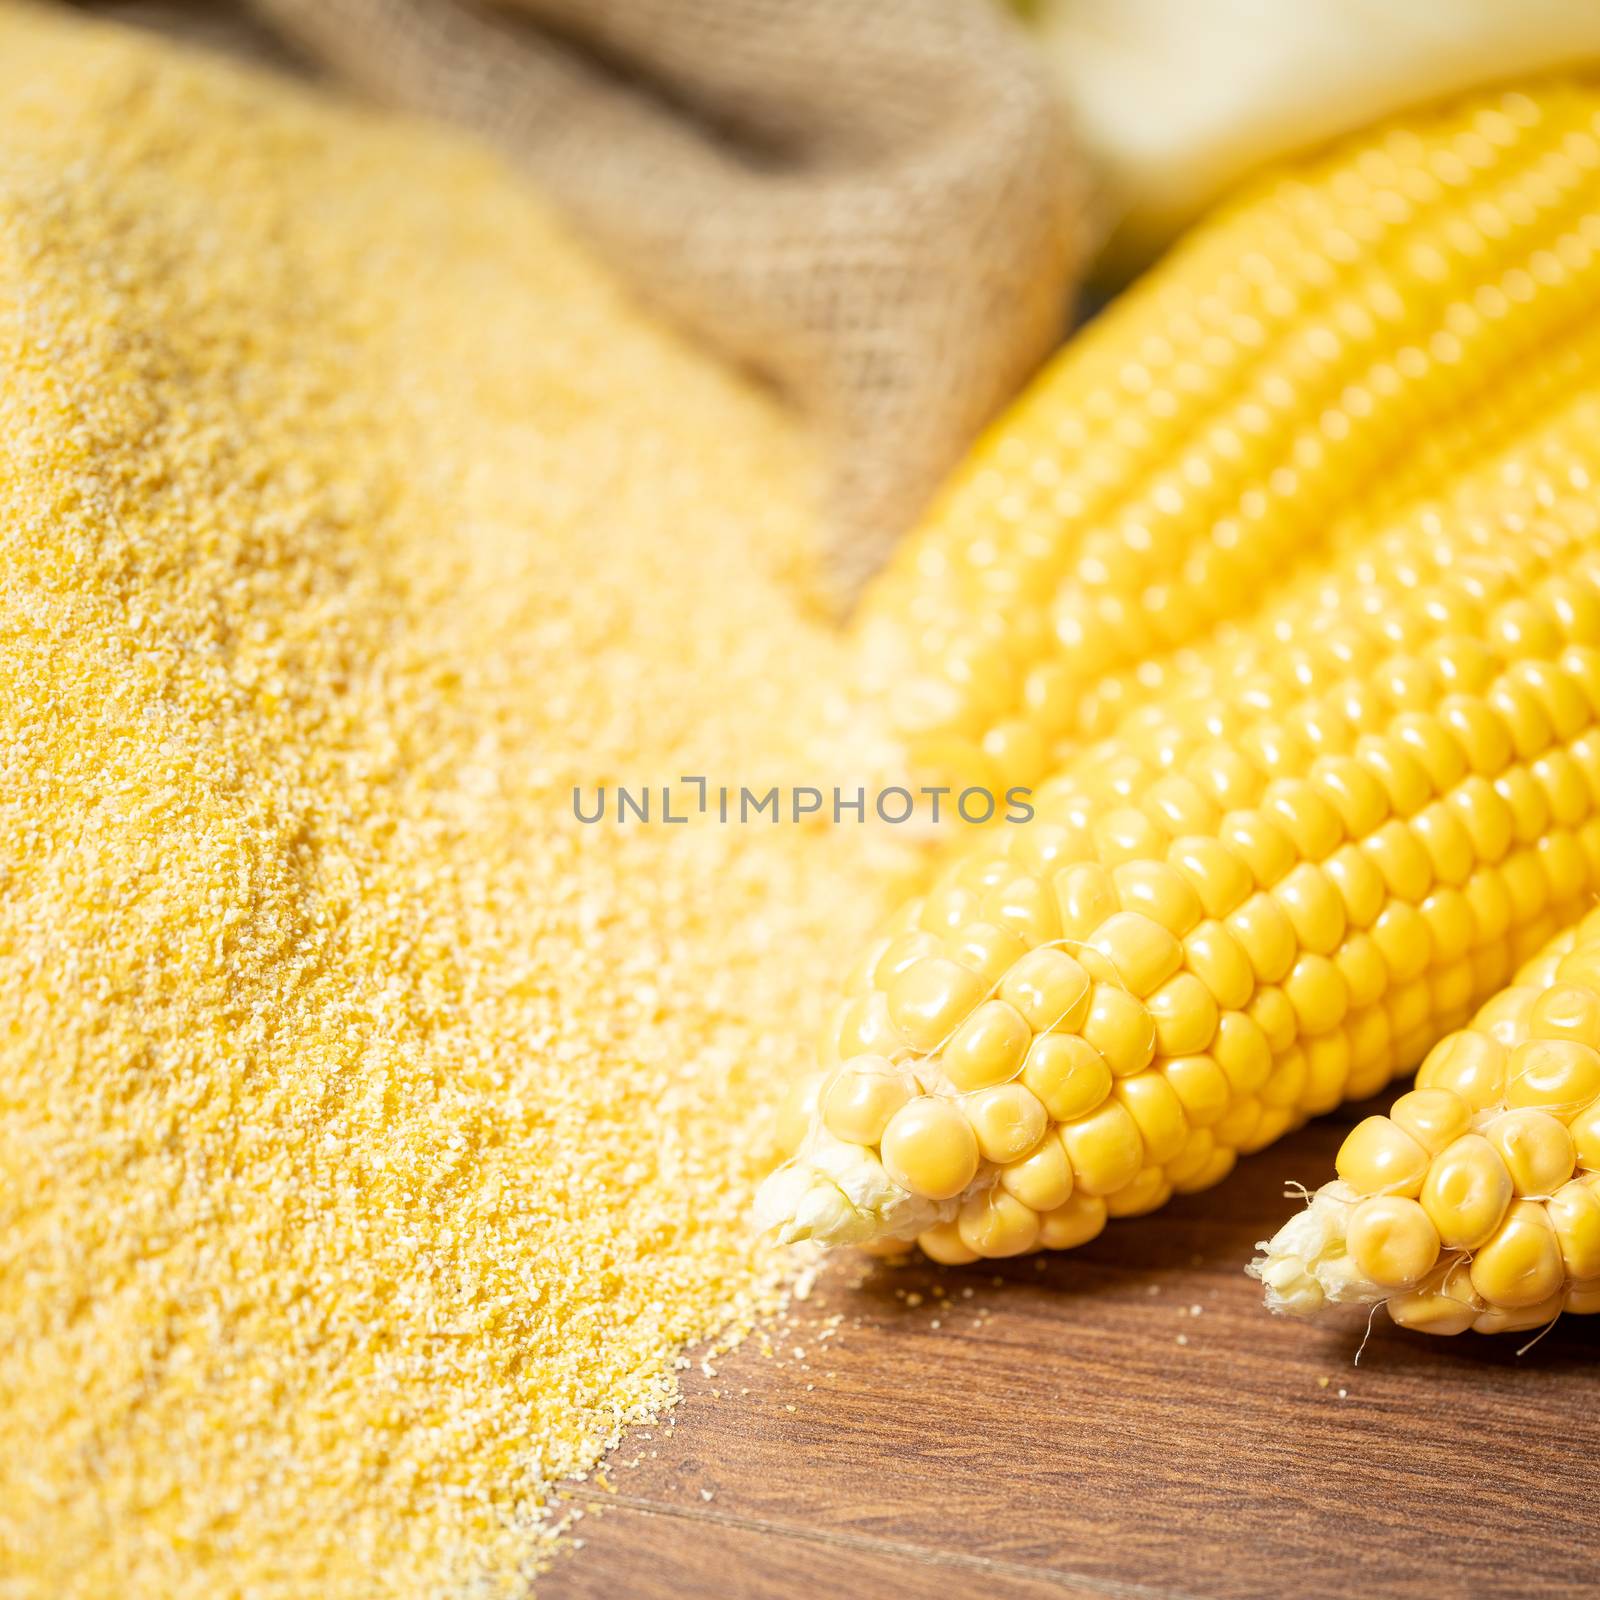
(1340, 340)
(1476, 1202)
(1311, 843)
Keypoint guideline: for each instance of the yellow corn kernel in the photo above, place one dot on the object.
(1105, 1148)
(1217, 959)
(1451, 932)
(1447, 843)
(1272, 1123)
(1078, 1221)
(929, 1148)
(1557, 1075)
(1353, 792)
(1287, 1081)
(1379, 1158)
(1582, 1299)
(888, 1248)
(1530, 810)
(864, 1027)
(1184, 1014)
(1405, 784)
(1371, 1043)
(1410, 1007)
(1316, 991)
(1049, 990)
(930, 999)
(1470, 1065)
(1120, 1028)
(1218, 877)
(1439, 754)
(1399, 856)
(1581, 966)
(1085, 897)
(1271, 1011)
(1566, 1011)
(1433, 1117)
(1156, 1109)
(996, 1223)
(1450, 1306)
(798, 1109)
(1142, 1194)
(1314, 908)
(1181, 806)
(1574, 1212)
(1160, 892)
(1042, 1181)
(1521, 1265)
(1242, 1051)
(1362, 891)
(1026, 907)
(1508, 1319)
(1127, 834)
(1202, 1088)
(1068, 1075)
(900, 952)
(1234, 1129)
(943, 1243)
(1404, 941)
(1008, 1121)
(1481, 811)
(861, 1097)
(1262, 929)
(1467, 1192)
(1392, 1241)
(1228, 777)
(1260, 843)
(947, 906)
(1526, 883)
(1310, 822)
(1143, 953)
(988, 1048)
(1221, 1162)
(1327, 1077)
(1585, 1131)
(1196, 1154)
(1492, 910)
(1365, 973)
(1536, 1148)
(987, 949)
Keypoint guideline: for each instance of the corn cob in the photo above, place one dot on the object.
(1476, 1202)
(1267, 893)
(1207, 433)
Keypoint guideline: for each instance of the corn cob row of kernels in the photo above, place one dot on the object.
(1259, 898)
(1476, 1202)
(1204, 437)
(1477, 461)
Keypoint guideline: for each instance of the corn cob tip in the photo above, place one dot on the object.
(1306, 1266)
(832, 1192)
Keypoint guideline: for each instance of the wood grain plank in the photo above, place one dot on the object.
(1075, 1420)
(642, 1551)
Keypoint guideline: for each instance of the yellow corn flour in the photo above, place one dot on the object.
(373, 1135)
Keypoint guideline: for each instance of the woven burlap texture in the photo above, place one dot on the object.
(872, 202)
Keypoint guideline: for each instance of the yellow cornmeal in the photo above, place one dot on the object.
(372, 1135)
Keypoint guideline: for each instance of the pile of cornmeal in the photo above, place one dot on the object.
(373, 1134)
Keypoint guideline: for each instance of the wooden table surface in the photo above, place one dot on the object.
(1120, 1421)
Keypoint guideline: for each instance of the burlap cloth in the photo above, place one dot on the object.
(872, 202)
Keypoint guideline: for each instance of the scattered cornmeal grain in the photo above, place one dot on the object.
(374, 1135)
